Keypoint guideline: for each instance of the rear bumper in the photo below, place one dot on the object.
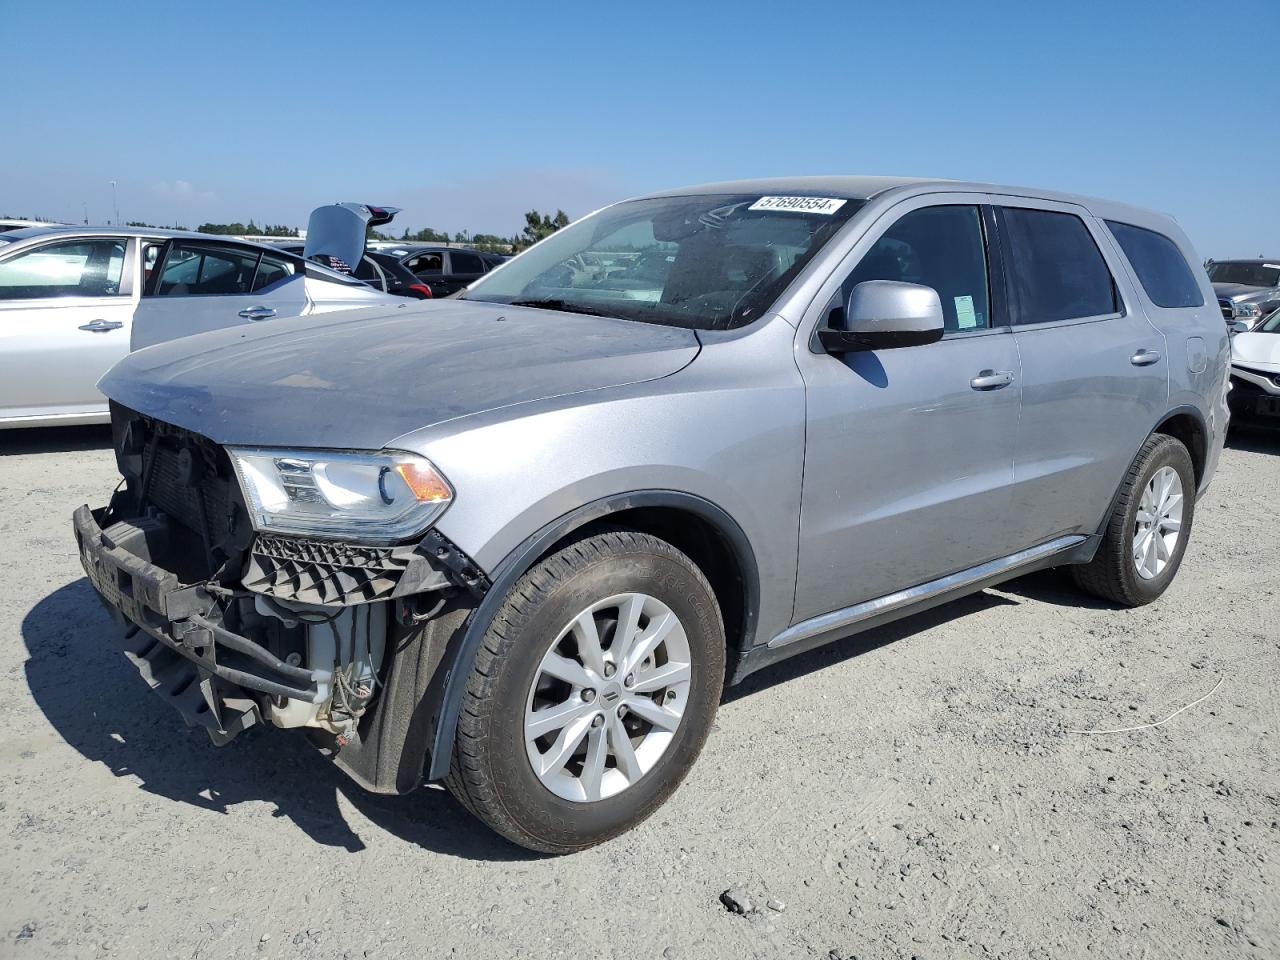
(175, 633)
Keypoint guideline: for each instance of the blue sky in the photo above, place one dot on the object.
(468, 114)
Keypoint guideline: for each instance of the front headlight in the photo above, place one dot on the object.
(375, 498)
(1246, 311)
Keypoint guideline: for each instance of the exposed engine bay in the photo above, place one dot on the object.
(237, 628)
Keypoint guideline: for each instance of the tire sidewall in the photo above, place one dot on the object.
(564, 823)
(1169, 454)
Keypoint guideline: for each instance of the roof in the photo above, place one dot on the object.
(84, 231)
(867, 187)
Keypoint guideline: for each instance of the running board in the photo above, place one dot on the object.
(839, 619)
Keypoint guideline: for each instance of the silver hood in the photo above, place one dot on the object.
(1242, 293)
(360, 379)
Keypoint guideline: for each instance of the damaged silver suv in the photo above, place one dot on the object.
(518, 541)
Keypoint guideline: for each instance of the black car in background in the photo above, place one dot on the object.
(445, 270)
(380, 270)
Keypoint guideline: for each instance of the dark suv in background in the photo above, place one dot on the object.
(445, 270)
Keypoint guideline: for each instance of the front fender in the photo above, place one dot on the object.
(445, 697)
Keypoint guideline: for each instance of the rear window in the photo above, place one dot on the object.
(1160, 266)
(1245, 273)
(1056, 270)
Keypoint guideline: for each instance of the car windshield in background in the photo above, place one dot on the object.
(1248, 274)
(709, 262)
(1271, 324)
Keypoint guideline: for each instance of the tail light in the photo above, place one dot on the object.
(421, 289)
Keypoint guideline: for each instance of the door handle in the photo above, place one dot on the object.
(101, 326)
(257, 313)
(1145, 358)
(992, 379)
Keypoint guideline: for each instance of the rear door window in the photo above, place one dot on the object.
(940, 247)
(72, 268)
(465, 262)
(207, 269)
(1056, 271)
(426, 264)
(1160, 266)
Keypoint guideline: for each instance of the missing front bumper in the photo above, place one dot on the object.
(176, 633)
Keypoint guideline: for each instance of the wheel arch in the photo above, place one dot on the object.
(698, 527)
(1186, 425)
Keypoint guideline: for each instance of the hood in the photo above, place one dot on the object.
(1260, 350)
(1241, 292)
(338, 231)
(360, 379)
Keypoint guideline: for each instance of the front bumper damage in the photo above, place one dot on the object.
(175, 633)
(228, 657)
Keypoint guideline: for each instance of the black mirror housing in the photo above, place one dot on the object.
(851, 341)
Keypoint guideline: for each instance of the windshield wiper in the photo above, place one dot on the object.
(565, 306)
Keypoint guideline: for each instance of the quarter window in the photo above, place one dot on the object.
(73, 268)
(1160, 266)
(272, 270)
(939, 247)
(1056, 271)
(200, 270)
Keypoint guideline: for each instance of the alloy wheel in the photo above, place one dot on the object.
(1158, 524)
(607, 697)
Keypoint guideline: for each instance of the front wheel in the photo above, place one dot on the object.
(592, 693)
(1146, 534)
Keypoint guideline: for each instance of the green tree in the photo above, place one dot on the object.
(539, 226)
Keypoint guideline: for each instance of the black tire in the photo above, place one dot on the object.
(1112, 574)
(491, 774)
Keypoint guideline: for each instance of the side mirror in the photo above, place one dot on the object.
(884, 314)
(1238, 326)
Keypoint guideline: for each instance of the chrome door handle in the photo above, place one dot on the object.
(992, 379)
(101, 326)
(1145, 358)
(257, 313)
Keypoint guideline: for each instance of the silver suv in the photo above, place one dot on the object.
(520, 540)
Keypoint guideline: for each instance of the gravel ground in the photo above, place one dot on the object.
(917, 791)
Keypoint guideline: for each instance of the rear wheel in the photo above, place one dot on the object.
(1147, 532)
(592, 693)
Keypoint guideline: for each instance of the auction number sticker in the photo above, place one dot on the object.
(824, 205)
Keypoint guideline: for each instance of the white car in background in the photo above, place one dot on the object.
(75, 300)
(1255, 373)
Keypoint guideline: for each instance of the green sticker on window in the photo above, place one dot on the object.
(965, 317)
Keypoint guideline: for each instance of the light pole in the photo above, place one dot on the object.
(115, 208)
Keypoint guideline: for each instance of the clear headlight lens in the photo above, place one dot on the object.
(1247, 310)
(375, 498)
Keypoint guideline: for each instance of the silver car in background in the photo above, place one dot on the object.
(518, 540)
(75, 300)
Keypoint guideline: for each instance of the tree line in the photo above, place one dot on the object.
(537, 226)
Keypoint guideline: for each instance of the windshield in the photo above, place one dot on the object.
(709, 262)
(1271, 324)
(1249, 274)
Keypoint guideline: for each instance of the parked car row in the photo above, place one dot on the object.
(75, 300)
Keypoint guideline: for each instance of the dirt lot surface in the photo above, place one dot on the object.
(918, 791)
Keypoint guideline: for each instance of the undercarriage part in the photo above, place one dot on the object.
(349, 644)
